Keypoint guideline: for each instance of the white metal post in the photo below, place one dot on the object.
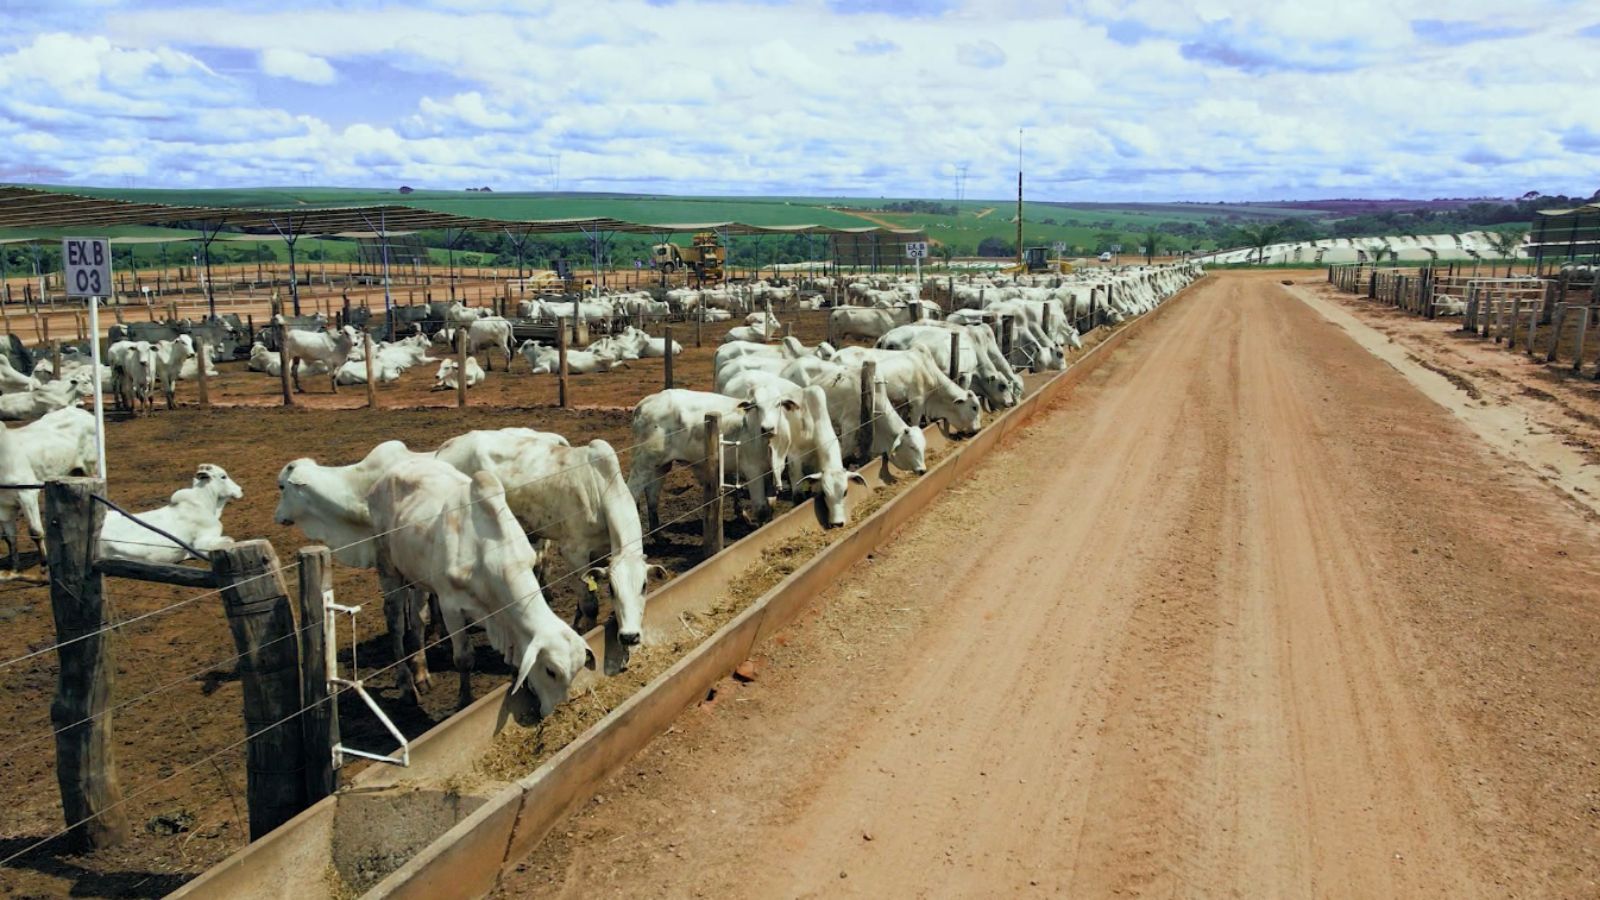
(99, 399)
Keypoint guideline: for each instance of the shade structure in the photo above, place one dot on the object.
(38, 209)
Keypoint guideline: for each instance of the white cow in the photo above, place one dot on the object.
(48, 398)
(59, 444)
(980, 365)
(904, 446)
(751, 333)
(547, 360)
(669, 427)
(193, 515)
(170, 357)
(917, 384)
(575, 497)
(815, 456)
(329, 348)
(632, 343)
(133, 374)
(486, 333)
(445, 379)
(455, 536)
(461, 314)
(865, 322)
(12, 381)
(329, 503)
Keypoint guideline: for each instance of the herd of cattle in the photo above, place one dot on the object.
(479, 523)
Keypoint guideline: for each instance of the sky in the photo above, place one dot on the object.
(1154, 100)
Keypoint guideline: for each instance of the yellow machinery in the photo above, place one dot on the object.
(704, 257)
(1036, 260)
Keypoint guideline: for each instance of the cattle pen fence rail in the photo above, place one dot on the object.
(1551, 317)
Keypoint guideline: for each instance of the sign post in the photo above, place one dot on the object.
(86, 268)
(917, 251)
(1059, 247)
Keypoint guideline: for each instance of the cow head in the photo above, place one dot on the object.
(628, 575)
(909, 451)
(992, 386)
(215, 479)
(447, 373)
(291, 493)
(549, 664)
(961, 410)
(832, 489)
(765, 410)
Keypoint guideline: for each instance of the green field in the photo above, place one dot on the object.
(974, 227)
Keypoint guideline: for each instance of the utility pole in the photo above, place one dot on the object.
(1019, 196)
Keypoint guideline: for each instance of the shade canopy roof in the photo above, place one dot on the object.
(39, 213)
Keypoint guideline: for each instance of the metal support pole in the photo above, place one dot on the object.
(99, 389)
(461, 367)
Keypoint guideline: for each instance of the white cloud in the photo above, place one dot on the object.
(1165, 99)
(282, 62)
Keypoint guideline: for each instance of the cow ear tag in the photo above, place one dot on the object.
(592, 584)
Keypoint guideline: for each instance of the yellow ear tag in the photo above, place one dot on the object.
(593, 585)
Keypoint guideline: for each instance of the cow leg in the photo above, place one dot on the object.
(30, 512)
(652, 496)
(415, 637)
(455, 623)
(334, 380)
(9, 535)
(397, 606)
(294, 375)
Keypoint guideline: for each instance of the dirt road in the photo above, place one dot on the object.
(1244, 615)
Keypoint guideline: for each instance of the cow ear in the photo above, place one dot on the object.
(857, 476)
(202, 476)
(588, 659)
(747, 405)
(789, 404)
(529, 658)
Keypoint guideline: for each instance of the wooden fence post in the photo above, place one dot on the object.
(86, 769)
(1577, 349)
(711, 534)
(561, 366)
(869, 375)
(256, 604)
(666, 343)
(1509, 329)
(1555, 332)
(320, 722)
(1533, 327)
(955, 356)
(372, 387)
(283, 364)
(1007, 338)
(202, 361)
(461, 368)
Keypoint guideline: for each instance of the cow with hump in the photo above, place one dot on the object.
(575, 497)
(455, 536)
